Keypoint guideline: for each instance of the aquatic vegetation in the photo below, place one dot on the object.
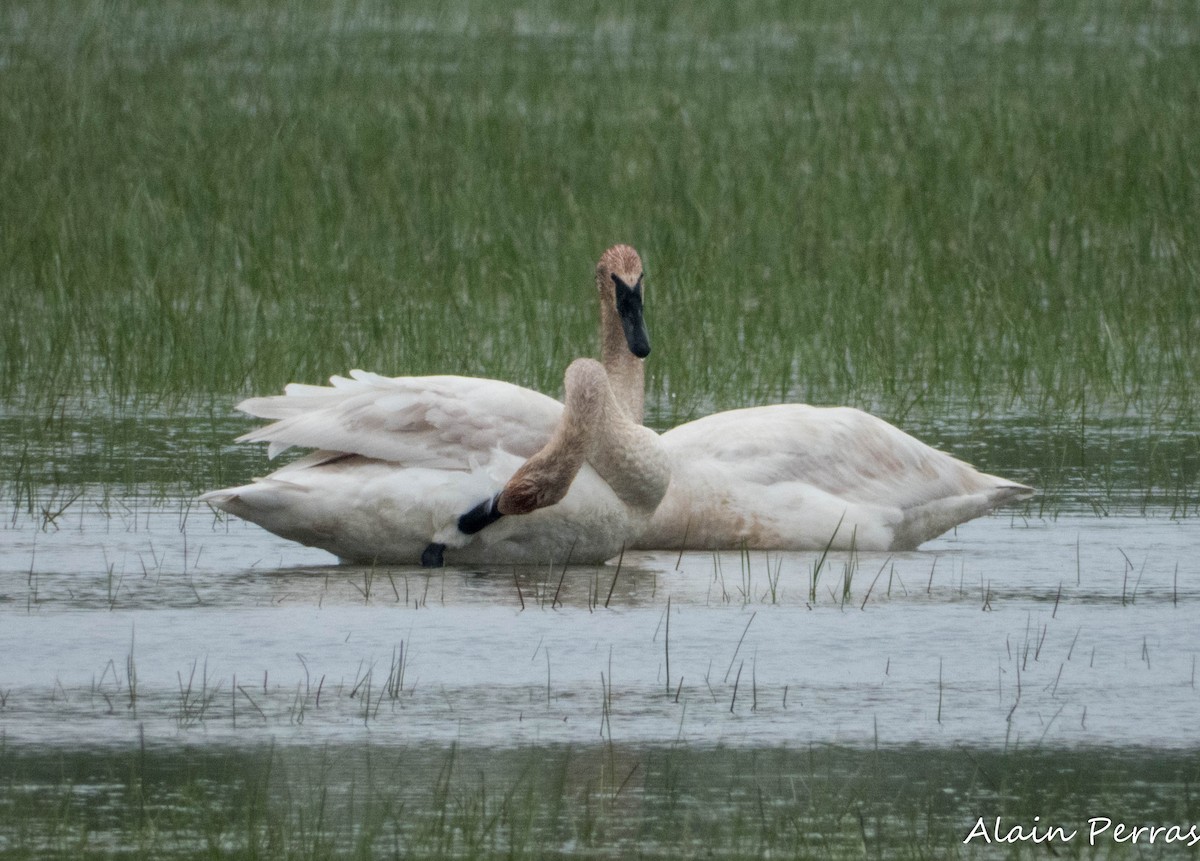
(884, 209)
(583, 801)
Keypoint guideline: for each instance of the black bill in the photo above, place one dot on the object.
(633, 322)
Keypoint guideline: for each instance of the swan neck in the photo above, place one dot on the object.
(596, 428)
(626, 372)
(629, 457)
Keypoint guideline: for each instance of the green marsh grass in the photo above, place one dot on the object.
(957, 211)
(595, 801)
(898, 205)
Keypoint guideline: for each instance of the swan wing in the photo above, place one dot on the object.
(443, 422)
(842, 451)
(793, 476)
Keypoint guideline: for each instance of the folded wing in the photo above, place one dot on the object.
(443, 422)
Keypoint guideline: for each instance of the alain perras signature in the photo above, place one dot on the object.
(1098, 829)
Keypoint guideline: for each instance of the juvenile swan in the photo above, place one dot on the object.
(466, 470)
(797, 477)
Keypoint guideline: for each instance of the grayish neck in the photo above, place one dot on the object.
(626, 372)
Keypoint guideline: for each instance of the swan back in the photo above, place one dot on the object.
(793, 476)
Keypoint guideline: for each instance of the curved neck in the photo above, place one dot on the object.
(628, 456)
(595, 427)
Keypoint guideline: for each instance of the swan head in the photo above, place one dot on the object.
(619, 280)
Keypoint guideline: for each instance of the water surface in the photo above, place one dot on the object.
(164, 622)
(175, 681)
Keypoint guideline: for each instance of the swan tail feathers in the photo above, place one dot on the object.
(218, 498)
(1009, 493)
(262, 494)
(927, 521)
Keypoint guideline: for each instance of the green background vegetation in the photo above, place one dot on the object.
(976, 219)
(871, 204)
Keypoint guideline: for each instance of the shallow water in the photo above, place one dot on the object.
(165, 669)
(164, 623)
(1111, 462)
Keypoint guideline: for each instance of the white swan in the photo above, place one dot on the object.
(797, 477)
(423, 469)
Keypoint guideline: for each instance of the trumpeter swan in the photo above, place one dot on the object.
(424, 469)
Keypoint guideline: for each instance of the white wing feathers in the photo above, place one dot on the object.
(840, 450)
(444, 422)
